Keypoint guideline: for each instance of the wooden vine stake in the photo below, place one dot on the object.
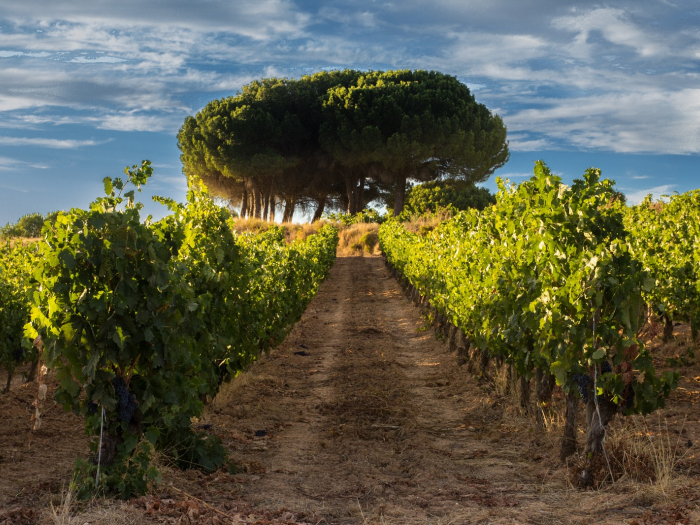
(41, 386)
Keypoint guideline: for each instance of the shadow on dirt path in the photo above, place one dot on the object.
(363, 416)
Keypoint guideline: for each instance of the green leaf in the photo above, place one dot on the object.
(649, 284)
(109, 188)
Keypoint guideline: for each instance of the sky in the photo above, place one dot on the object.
(88, 87)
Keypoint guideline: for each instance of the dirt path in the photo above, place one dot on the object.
(379, 424)
(359, 416)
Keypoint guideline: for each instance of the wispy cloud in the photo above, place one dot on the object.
(48, 143)
(10, 164)
(637, 196)
(519, 142)
(178, 183)
(565, 75)
(614, 26)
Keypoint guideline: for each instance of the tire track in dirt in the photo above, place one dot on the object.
(378, 423)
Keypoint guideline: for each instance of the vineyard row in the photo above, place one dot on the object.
(143, 321)
(560, 284)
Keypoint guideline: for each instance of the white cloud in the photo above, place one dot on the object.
(150, 65)
(645, 121)
(10, 164)
(136, 122)
(48, 143)
(614, 25)
(637, 196)
(259, 20)
(518, 142)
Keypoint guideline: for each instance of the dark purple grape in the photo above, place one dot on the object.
(126, 401)
(18, 355)
(605, 367)
(92, 408)
(582, 381)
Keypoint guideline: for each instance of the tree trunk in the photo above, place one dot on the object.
(568, 443)
(360, 205)
(266, 206)
(668, 329)
(271, 200)
(351, 187)
(400, 194)
(319, 210)
(273, 205)
(289, 206)
(257, 203)
(244, 204)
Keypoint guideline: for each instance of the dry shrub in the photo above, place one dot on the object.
(502, 382)
(299, 232)
(292, 232)
(61, 514)
(644, 457)
(357, 239)
(24, 240)
(251, 225)
(423, 224)
(70, 512)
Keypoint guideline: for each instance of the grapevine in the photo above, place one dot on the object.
(142, 320)
(544, 279)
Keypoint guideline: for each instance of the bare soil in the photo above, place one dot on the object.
(362, 416)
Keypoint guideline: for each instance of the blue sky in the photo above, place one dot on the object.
(90, 86)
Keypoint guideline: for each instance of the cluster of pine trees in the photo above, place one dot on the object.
(338, 140)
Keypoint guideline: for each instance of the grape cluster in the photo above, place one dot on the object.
(582, 381)
(605, 367)
(18, 354)
(127, 402)
(91, 408)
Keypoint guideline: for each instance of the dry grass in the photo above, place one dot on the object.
(423, 224)
(502, 383)
(70, 512)
(358, 239)
(647, 455)
(292, 232)
(24, 240)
